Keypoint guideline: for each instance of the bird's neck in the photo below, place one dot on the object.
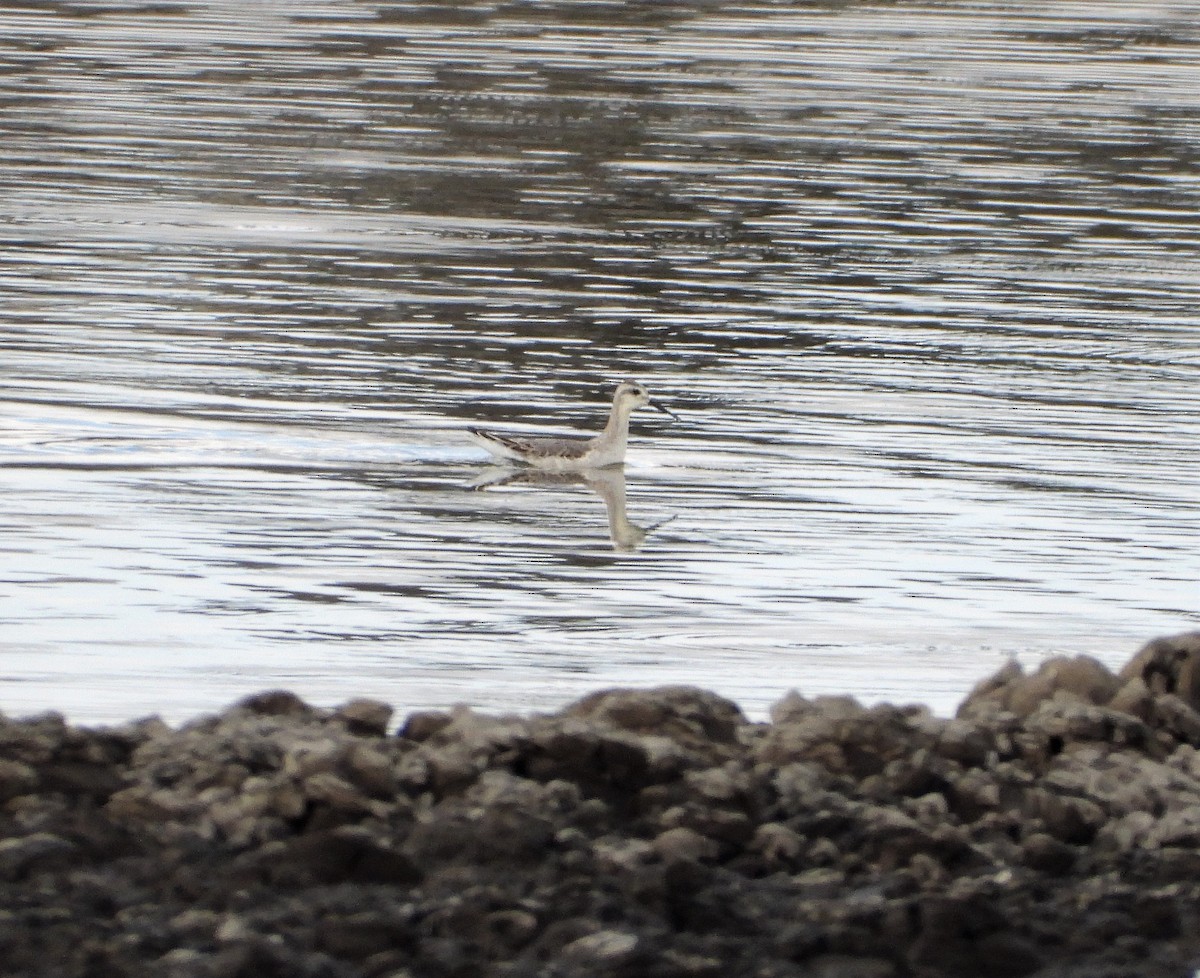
(618, 421)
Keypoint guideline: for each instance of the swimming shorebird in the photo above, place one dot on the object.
(574, 454)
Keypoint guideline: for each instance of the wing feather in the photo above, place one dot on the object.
(520, 449)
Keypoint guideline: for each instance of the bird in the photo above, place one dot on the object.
(574, 454)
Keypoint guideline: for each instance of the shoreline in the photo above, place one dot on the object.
(1050, 828)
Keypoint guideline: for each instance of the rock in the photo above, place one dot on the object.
(1175, 716)
(276, 703)
(799, 786)
(966, 933)
(777, 843)
(503, 835)
(1080, 679)
(858, 743)
(327, 788)
(844, 966)
(995, 689)
(622, 855)
(1065, 817)
(30, 854)
(365, 717)
(691, 717)
(422, 726)
(511, 929)
(1049, 829)
(604, 948)
(1047, 854)
(728, 783)
(357, 936)
(1169, 665)
(964, 742)
(342, 855)
(683, 844)
(16, 779)
(372, 770)
(1134, 697)
(1064, 721)
(35, 740)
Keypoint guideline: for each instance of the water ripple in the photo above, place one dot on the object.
(921, 281)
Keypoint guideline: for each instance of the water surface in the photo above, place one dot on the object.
(921, 280)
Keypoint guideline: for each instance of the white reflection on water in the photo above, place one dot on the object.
(928, 311)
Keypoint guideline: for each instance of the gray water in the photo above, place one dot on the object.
(921, 280)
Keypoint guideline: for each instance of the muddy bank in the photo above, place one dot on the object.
(1051, 828)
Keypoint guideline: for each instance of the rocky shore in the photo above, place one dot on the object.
(1051, 828)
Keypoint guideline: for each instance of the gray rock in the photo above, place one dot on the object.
(363, 716)
(1049, 829)
(1081, 679)
(777, 844)
(1169, 665)
(681, 844)
(1047, 854)
(692, 717)
(16, 779)
(26, 855)
(603, 948)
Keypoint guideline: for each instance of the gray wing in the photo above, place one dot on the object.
(518, 449)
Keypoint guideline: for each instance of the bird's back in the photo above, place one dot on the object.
(532, 450)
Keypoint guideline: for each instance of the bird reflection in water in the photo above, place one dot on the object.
(607, 483)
